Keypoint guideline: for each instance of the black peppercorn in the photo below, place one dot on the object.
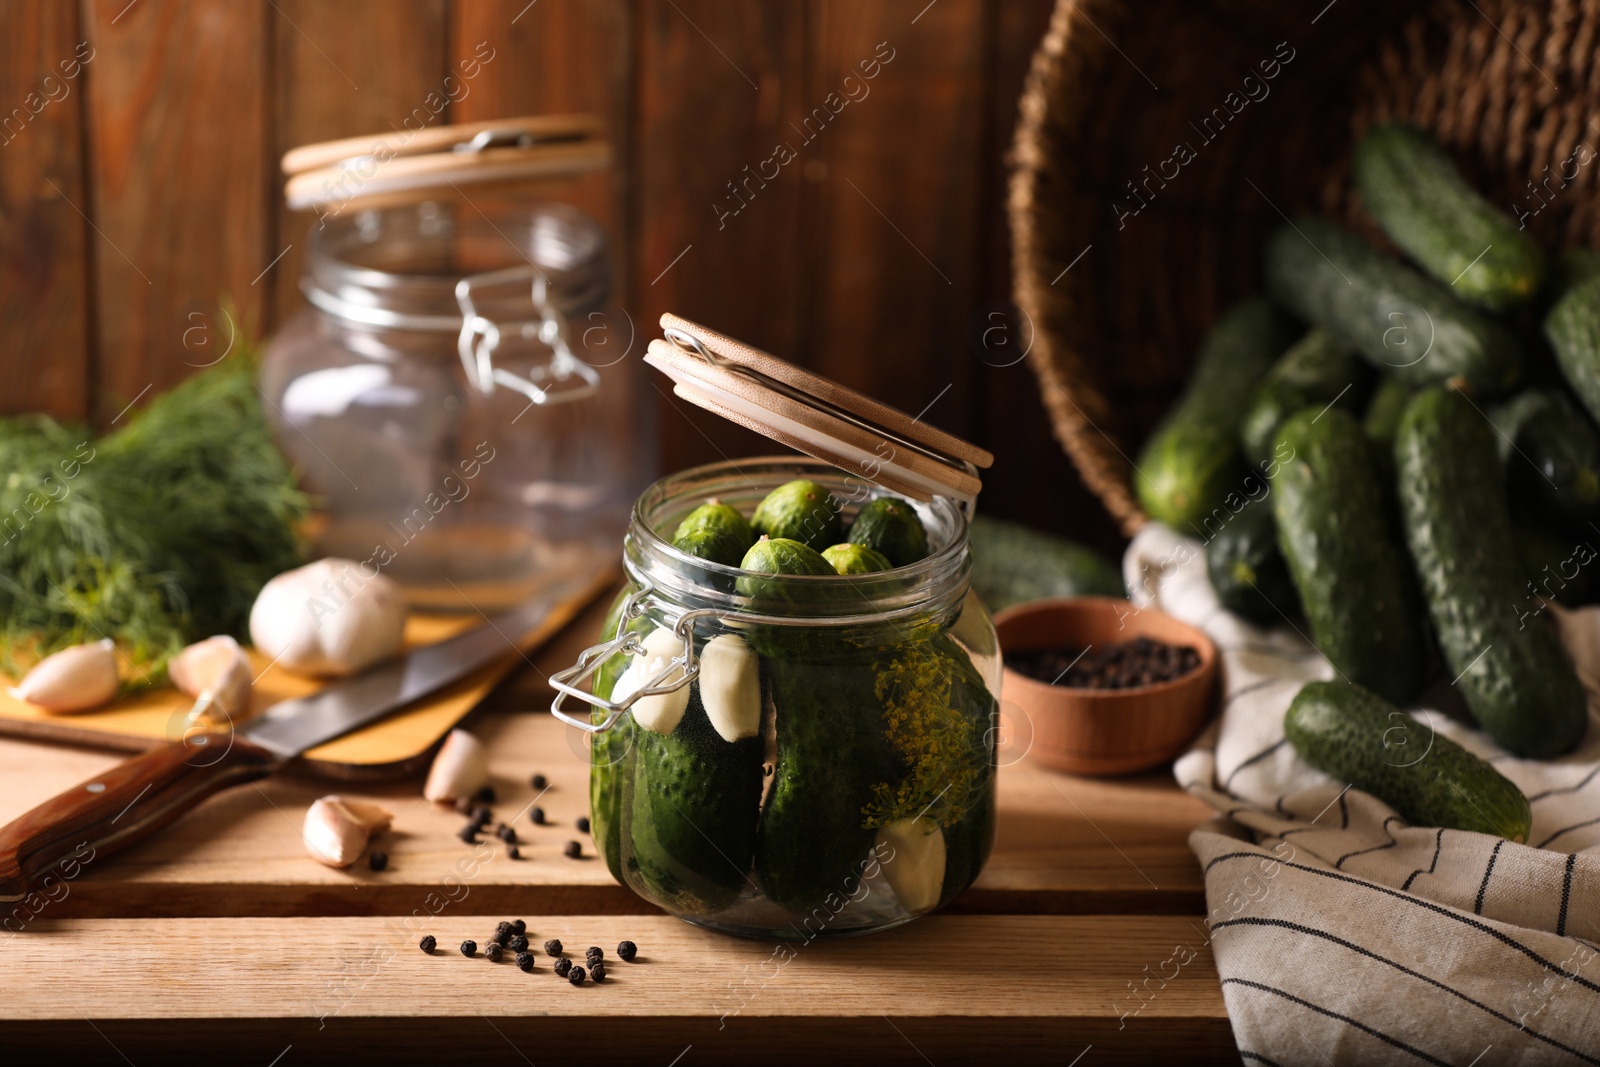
(502, 932)
(469, 948)
(519, 926)
(506, 834)
(378, 860)
(464, 805)
(576, 976)
(469, 833)
(486, 794)
(539, 781)
(537, 816)
(627, 950)
(552, 947)
(481, 816)
(583, 824)
(598, 971)
(518, 943)
(513, 852)
(563, 966)
(428, 944)
(573, 850)
(525, 961)
(594, 952)
(491, 952)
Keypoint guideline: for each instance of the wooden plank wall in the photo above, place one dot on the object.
(138, 185)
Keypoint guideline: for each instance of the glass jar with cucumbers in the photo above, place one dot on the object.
(793, 707)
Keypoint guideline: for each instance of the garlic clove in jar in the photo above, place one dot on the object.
(730, 687)
(215, 668)
(916, 871)
(79, 678)
(459, 770)
(329, 618)
(660, 713)
(337, 829)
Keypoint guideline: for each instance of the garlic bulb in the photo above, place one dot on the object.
(662, 712)
(459, 770)
(730, 687)
(216, 671)
(328, 618)
(916, 871)
(338, 828)
(75, 679)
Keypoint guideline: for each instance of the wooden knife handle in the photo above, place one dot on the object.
(125, 804)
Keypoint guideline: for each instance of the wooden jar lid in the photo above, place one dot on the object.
(401, 166)
(815, 415)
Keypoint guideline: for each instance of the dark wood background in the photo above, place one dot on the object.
(146, 188)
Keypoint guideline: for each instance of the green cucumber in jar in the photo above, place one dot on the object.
(1192, 461)
(1349, 565)
(855, 559)
(714, 532)
(1447, 227)
(1509, 666)
(801, 510)
(1316, 371)
(1551, 454)
(1358, 737)
(609, 750)
(891, 527)
(1400, 321)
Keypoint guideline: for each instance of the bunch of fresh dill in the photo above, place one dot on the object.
(155, 535)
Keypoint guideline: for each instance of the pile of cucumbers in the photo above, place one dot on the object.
(802, 761)
(1401, 457)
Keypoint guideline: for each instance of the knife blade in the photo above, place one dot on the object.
(141, 795)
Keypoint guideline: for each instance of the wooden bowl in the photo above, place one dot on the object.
(1105, 731)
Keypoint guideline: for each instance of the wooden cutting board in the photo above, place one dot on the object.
(393, 746)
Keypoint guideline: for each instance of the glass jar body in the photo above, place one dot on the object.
(465, 495)
(859, 793)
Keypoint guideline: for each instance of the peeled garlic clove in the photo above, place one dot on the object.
(916, 873)
(663, 712)
(75, 679)
(329, 618)
(217, 668)
(337, 829)
(730, 687)
(459, 770)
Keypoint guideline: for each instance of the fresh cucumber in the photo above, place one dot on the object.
(1571, 267)
(855, 559)
(1427, 208)
(1383, 413)
(1573, 330)
(772, 560)
(607, 751)
(1191, 462)
(891, 526)
(1247, 569)
(1347, 563)
(1316, 371)
(715, 532)
(801, 510)
(1511, 671)
(1551, 455)
(1358, 737)
(1400, 321)
(1012, 563)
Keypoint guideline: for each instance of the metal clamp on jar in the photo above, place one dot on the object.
(457, 396)
(788, 755)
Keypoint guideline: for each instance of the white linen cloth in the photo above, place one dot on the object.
(1342, 934)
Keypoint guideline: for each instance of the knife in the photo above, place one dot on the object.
(141, 795)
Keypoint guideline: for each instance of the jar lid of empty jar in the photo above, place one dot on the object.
(815, 415)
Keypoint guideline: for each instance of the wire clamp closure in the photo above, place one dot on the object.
(564, 378)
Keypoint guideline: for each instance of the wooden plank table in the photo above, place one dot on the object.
(222, 929)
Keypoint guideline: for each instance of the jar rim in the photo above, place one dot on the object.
(937, 582)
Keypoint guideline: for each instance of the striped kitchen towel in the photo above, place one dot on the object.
(1342, 934)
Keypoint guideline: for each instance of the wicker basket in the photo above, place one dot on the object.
(1126, 248)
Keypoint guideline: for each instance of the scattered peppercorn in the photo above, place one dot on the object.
(573, 850)
(519, 926)
(506, 834)
(502, 932)
(593, 953)
(491, 952)
(378, 860)
(464, 805)
(481, 816)
(513, 852)
(525, 961)
(518, 943)
(563, 966)
(469, 948)
(583, 824)
(576, 976)
(598, 971)
(539, 781)
(469, 833)
(486, 794)
(537, 816)
(627, 950)
(552, 947)
(428, 944)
